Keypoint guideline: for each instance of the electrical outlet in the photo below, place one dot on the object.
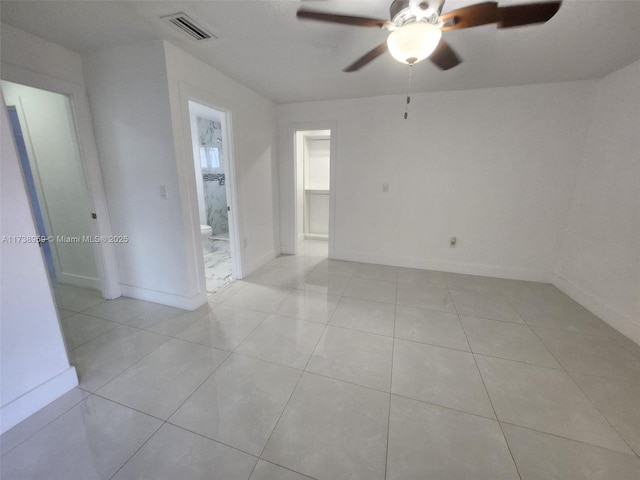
(163, 192)
(244, 243)
(453, 241)
(385, 187)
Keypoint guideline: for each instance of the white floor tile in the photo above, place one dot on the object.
(439, 375)
(240, 403)
(591, 354)
(507, 340)
(332, 429)
(484, 305)
(357, 357)
(309, 305)
(280, 277)
(81, 328)
(424, 277)
(76, 299)
(431, 297)
(223, 327)
(369, 289)
(618, 401)
(90, 441)
(284, 340)
(336, 266)
(174, 453)
(262, 298)
(103, 358)
(36, 422)
(268, 471)
(328, 283)
(365, 315)
(547, 457)
(121, 309)
(547, 400)
(426, 441)
(159, 383)
(167, 320)
(430, 326)
(377, 272)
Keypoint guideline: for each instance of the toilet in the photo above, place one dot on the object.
(205, 232)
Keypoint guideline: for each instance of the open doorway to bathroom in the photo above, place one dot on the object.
(210, 138)
(313, 184)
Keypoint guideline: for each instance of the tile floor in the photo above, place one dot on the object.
(316, 368)
(218, 268)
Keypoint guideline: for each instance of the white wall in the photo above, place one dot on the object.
(29, 60)
(32, 53)
(143, 133)
(34, 366)
(129, 99)
(493, 167)
(254, 125)
(51, 142)
(599, 265)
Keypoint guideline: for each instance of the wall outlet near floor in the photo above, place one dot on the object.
(163, 192)
(244, 243)
(453, 241)
(385, 187)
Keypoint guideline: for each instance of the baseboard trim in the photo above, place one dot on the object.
(79, 281)
(443, 266)
(620, 322)
(26, 405)
(163, 298)
(254, 265)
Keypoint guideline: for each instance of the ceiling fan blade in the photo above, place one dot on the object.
(528, 14)
(444, 57)
(367, 57)
(505, 17)
(342, 19)
(471, 16)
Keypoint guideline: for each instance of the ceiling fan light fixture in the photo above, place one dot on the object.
(413, 42)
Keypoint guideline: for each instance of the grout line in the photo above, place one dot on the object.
(568, 373)
(486, 389)
(137, 450)
(302, 372)
(283, 467)
(46, 424)
(230, 353)
(295, 386)
(393, 344)
(568, 438)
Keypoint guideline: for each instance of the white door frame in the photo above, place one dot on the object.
(190, 93)
(104, 252)
(293, 207)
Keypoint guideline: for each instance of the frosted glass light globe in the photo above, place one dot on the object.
(413, 42)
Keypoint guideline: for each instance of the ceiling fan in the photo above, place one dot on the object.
(416, 27)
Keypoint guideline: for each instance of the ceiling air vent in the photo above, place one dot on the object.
(188, 26)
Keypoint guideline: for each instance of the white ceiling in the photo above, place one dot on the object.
(263, 45)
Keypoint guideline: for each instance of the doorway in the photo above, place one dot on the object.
(214, 182)
(44, 130)
(313, 184)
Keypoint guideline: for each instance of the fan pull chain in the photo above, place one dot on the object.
(406, 109)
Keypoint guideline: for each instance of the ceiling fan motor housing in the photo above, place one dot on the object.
(408, 11)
